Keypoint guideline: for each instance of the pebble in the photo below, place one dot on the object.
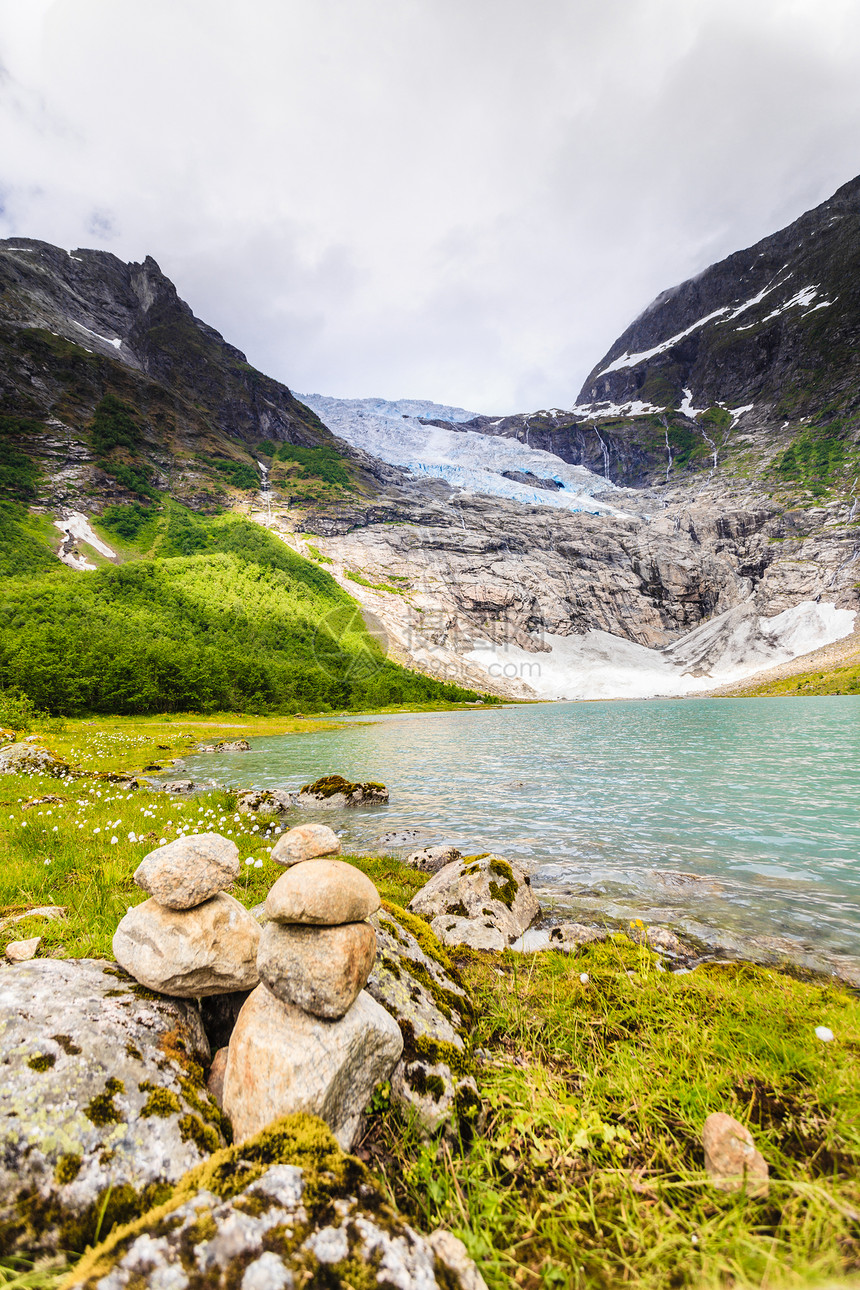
(21, 951)
(825, 1034)
(731, 1158)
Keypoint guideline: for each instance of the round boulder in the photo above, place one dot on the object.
(189, 870)
(305, 842)
(193, 952)
(320, 969)
(322, 892)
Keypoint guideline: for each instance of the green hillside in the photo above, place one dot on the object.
(204, 614)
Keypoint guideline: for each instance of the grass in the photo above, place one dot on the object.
(588, 1167)
(837, 680)
(589, 1170)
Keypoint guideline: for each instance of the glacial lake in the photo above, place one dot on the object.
(741, 815)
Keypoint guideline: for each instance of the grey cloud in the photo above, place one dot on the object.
(464, 200)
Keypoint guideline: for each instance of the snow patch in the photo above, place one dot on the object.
(603, 408)
(76, 528)
(728, 648)
(633, 360)
(108, 340)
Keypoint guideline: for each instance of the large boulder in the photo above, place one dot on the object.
(320, 969)
(285, 1209)
(324, 892)
(415, 981)
(282, 1060)
(190, 952)
(102, 1102)
(486, 888)
(189, 870)
(305, 842)
(27, 759)
(334, 791)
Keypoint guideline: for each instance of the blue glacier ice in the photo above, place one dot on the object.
(474, 463)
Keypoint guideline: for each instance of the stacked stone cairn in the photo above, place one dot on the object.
(309, 1037)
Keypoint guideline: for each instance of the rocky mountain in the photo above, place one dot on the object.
(111, 389)
(692, 519)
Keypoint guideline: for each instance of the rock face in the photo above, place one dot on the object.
(334, 791)
(102, 1103)
(208, 950)
(731, 1158)
(283, 1210)
(432, 859)
(475, 933)
(281, 1061)
(189, 870)
(274, 801)
(24, 758)
(485, 888)
(320, 969)
(414, 981)
(325, 892)
(305, 842)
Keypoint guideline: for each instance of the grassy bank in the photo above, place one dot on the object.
(837, 680)
(596, 1071)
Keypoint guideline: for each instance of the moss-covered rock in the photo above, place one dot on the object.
(414, 979)
(286, 1208)
(335, 791)
(97, 1090)
(485, 890)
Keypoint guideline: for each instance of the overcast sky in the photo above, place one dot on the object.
(459, 200)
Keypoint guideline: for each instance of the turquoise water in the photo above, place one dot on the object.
(741, 814)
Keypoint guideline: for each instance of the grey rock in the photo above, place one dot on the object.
(215, 1078)
(485, 887)
(475, 933)
(305, 842)
(432, 859)
(267, 801)
(189, 870)
(434, 1079)
(282, 1060)
(325, 892)
(178, 786)
(235, 745)
(25, 758)
(85, 1058)
(192, 952)
(320, 969)
(280, 1227)
(333, 791)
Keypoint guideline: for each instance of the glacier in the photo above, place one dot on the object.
(467, 460)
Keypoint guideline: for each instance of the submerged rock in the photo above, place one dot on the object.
(305, 842)
(320, 969)
(282, 1060)
(283, 1210)
(191, 952)
(334, 791)
(731, 1158)
(189, 870)
(485, 888)
(414, 981)
(102, 1103)
(324, 892)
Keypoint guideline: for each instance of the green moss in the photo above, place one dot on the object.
(42, 1062)
(67, 1169)
(192, 1129)
(203, 1229)
(505, 891)
(423, 934)
(458, 910)
(161, 1102)
(424, 1082)
(67, 1044)
(433, 1052)
(101, 1109)
(134, 1051)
